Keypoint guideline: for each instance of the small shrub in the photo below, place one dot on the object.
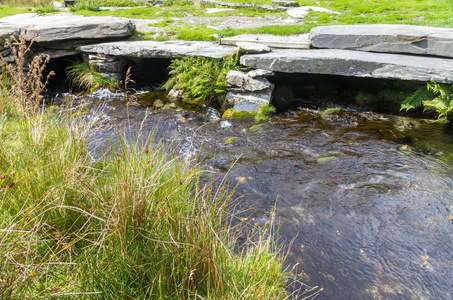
(201, 79)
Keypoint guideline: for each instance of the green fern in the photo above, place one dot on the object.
(416, 100)
(435, 96)
(201, 79)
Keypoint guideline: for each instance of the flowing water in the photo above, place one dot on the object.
(367, 197)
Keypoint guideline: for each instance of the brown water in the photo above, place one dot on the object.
(368, 197)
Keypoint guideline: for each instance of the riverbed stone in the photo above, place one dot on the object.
(62, 27)
(354, 63)
(385, 38)
(247, 106)
(167, 49)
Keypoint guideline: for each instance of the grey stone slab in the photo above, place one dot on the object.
(385, 38)
(354, 63)
(167, 49)
(62, 27)
(300, 41)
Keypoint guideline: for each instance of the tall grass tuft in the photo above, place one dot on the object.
(82, 75)
(25, 88)
(133, 222)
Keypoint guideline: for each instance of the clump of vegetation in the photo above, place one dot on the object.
(25, 88)
(83, 76)
(50, 8)
(263, 112)
(86, 5)
(330, 111)
(434, 97)
(201, 79)
(133, 221)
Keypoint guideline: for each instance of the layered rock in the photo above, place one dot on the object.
(167, 49)
(354, 63)
(299, 41)
(249, 87)
(64, 27)
(385, 38)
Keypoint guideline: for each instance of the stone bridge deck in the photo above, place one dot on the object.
(375, 51)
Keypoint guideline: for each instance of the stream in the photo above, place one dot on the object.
(366, 196)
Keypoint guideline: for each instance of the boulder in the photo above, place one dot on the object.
(385, 38)
(62, 27)
(354, 63)
(167, 49)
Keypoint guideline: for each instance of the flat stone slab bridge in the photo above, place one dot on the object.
(375, 51)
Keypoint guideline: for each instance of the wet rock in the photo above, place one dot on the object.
(249, 107)
(252, 48)
(175, 95)
(385, 38)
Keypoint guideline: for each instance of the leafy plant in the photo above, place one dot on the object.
(201, 79)
(435, 96)
(83, 76)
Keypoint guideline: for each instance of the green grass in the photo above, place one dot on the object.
(130, 220)
(6, 11)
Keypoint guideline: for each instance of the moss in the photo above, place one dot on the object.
(230, 140)
(330, 111)
(326, 159)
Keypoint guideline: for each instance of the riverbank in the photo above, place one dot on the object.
(128, 220)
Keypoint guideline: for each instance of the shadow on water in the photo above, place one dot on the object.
(367, 196)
